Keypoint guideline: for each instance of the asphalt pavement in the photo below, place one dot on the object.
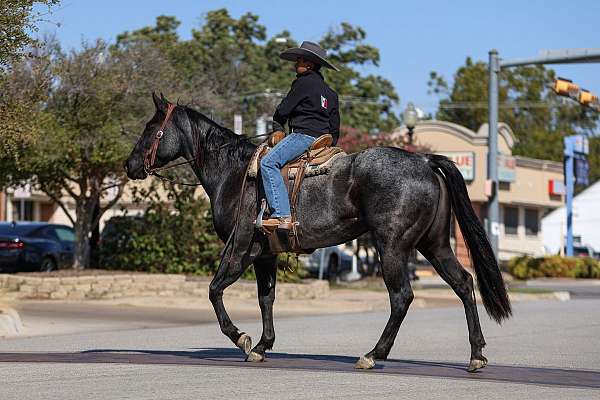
(549, 350)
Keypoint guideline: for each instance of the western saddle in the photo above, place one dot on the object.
(315, 161)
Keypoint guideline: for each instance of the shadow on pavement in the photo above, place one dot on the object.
(229, 357)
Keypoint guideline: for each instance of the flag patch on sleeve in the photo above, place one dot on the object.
(323, 102)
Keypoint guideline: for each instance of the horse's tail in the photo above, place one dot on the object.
(489, 279)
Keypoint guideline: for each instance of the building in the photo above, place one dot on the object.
(526, 191)
(554, 225)
(25, 204)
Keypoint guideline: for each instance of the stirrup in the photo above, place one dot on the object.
(277, 223)
(258, 222)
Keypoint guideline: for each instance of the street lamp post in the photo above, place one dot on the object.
(410, 120)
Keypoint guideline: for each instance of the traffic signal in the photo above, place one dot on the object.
(565, 87)
(586, 97)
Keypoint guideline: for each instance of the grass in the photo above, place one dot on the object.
(530, 290)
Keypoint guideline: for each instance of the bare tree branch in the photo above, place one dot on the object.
(70, 191)
(60, 203)
(119, 183)
(110, 204)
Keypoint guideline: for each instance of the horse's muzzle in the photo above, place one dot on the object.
(134, 170)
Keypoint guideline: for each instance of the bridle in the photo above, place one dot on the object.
(150, 155)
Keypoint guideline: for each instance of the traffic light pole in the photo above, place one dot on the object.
(566, 56)
(570, 188)
(493, 211)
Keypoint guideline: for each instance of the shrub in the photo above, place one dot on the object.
(526, 267)
(175, 237)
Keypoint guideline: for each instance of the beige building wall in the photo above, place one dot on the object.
(528, 193)
(43, 209)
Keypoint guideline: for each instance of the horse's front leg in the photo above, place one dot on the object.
(265, 268)
(233, 264)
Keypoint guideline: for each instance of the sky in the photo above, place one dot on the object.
(414, 37)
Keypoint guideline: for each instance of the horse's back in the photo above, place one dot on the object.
(374, 187)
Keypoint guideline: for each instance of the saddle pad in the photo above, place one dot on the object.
(319, 166)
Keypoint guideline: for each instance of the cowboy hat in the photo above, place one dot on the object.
(310, 51)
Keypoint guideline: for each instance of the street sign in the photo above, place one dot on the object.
(507, 168)
(465, 162)
(582, 169)
(556, 187)
(237, 124)
(581, 144)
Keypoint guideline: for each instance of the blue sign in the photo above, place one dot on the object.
(582, 169)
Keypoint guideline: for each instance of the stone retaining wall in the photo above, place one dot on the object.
(140, 285)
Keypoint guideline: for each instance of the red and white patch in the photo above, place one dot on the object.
(324, 102)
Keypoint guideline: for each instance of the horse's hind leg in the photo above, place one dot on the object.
(395, 275)
(447, 266)
(265, 268)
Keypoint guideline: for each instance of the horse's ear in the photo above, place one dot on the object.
(164, 99)
(159, 102)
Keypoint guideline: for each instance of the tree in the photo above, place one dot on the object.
(538, 118)
(18, 20)
(94, 97)
(233, 67)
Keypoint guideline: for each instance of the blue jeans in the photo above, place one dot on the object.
(290, 148)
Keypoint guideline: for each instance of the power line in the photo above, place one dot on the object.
(281, 94)
(515, 104)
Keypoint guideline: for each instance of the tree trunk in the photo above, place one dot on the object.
(85, 207)
(95, 237)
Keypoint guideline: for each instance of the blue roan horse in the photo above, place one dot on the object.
(403, 199)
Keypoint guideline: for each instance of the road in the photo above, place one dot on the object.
(549, 350)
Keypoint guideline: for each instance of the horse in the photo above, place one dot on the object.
(403, 199)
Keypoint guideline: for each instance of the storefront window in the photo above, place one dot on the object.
(532, 222)
(511, 220)
(22, 210)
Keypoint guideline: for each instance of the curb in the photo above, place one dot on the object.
(121, 285)
(10, 322)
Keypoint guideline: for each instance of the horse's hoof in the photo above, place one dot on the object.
(245, 343)
(476, 364)
(255, 357)
(365, 363)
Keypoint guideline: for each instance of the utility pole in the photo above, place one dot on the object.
(496, 64)
(569, 172)
(493, 211)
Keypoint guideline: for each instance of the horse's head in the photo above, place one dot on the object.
(160, 142)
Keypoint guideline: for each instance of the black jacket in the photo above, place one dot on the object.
(311, 107)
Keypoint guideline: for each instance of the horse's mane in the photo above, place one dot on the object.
(211, 136)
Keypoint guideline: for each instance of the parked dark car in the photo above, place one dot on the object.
(35, 246)
(581, 251)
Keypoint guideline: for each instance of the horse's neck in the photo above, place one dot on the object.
(216, 167)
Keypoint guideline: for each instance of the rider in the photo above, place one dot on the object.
(311, 110)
